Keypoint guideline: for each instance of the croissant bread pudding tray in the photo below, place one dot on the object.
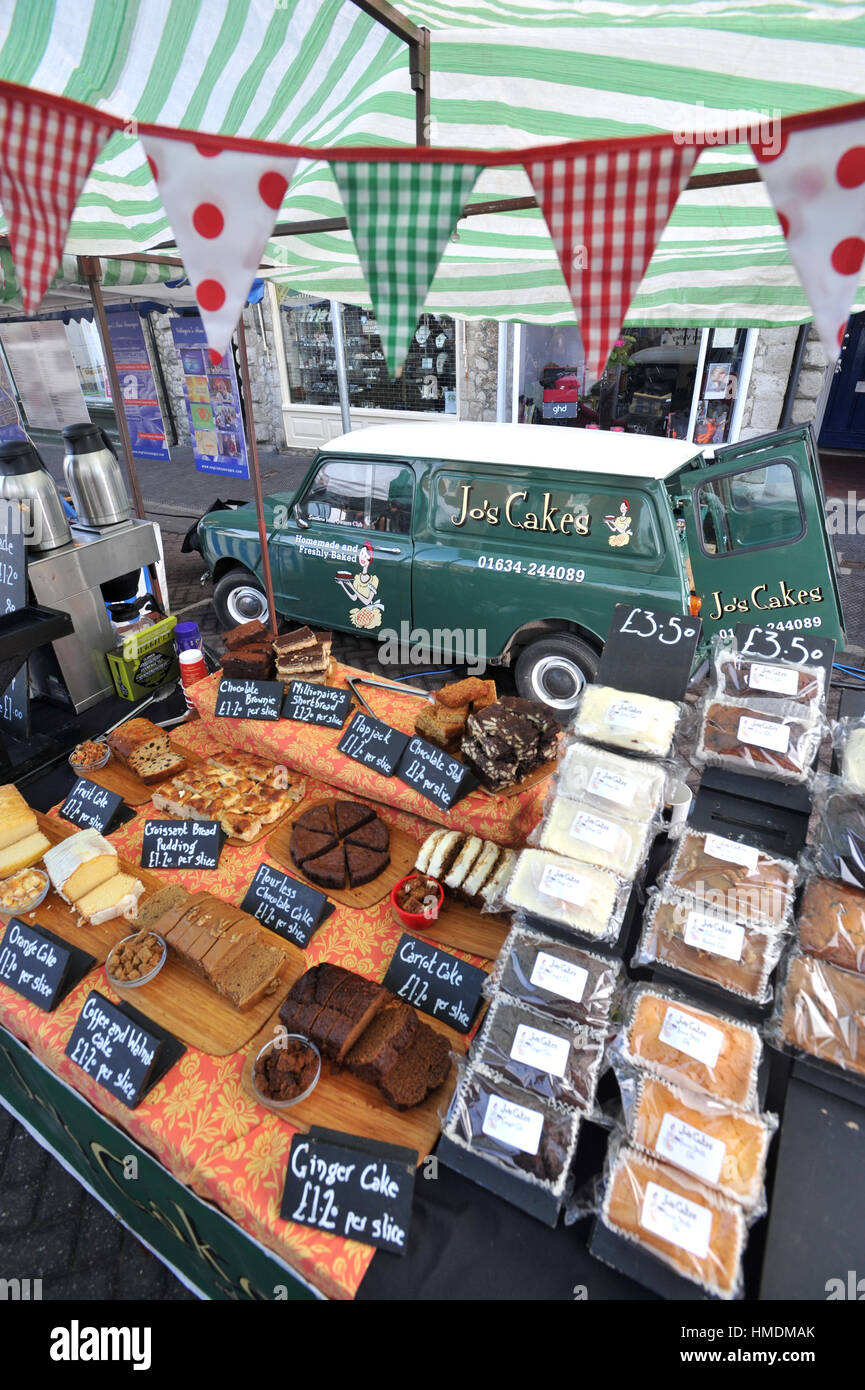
(228, 779)
(177, 998)
(343, 1102)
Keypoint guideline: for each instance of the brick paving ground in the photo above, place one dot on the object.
(50, 1228)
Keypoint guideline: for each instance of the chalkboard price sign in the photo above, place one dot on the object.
(309, 703)
(116, 1051)
(434, 773)
(434, 982)
(248, 699)
(181, 844)
(374, 744)
(34, 963)
(649, 651)
(795, 646)
(15, 699)
(88, 804)
(351, 1187)
(288, 907)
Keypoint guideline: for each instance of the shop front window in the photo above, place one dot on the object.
(719, 385)
(428, 380)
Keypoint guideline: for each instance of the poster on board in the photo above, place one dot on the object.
(137, 386)
(212, 402)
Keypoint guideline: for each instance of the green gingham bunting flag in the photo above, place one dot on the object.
(401, 216)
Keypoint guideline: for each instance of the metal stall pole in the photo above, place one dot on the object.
(91, 270)
(256, 476)
(341, 372)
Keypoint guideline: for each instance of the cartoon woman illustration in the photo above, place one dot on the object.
(620, 525)
(363, 587)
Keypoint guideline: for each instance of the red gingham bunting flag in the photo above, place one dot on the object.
(46, 153)
(222, 206)
(816, 182)
(605, 212)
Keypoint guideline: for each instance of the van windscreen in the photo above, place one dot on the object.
(589, 518)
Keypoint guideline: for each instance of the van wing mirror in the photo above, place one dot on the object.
(301, 520)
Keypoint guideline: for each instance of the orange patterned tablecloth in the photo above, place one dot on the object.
(312, 749)
(198, 1121)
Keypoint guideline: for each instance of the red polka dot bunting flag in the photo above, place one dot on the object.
(605, 212)
(46, 153)
(222, 206)
(815, 179)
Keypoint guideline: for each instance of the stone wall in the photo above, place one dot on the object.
(479, 370)
(773, 360)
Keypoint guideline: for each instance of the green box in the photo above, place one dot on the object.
(145, 660)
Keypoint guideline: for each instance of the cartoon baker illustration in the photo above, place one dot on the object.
(362, 588)
(620, 525)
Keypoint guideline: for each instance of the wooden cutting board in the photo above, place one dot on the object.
(466, 928)
(341, 1101)
(177, 998)
(403, 852)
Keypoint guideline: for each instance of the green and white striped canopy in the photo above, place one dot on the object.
(506, 74)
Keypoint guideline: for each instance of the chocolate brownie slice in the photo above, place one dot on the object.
(308, 844)
(327, 870)
(374, 835)
(316, 818)
(350, 815)
(364, 864)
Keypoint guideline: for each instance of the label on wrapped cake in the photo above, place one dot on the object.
(713, 934)
(690, 1035)
(592, 830)
(731, 851)
(546, 1051)
(513, 1124)
(612, 786)
(623, 714)
(690, 1148)
(560, 977)
(557, 882)
(762, 733)
(779, 679)
(676, 1219)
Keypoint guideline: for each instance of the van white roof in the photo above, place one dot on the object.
(523, 447)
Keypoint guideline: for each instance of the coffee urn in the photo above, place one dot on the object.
(93, 477)
(25, 481)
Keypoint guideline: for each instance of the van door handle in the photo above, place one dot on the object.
(388, 549)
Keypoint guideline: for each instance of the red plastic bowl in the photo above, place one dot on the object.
(414, 921)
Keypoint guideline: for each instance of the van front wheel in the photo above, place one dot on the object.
(238, 597)
(554, 671)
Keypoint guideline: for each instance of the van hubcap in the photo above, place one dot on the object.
(246, 603)
(557, 682)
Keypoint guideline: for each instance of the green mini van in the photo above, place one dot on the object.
(513, 544)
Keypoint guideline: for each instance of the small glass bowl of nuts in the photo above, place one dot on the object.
(22, 892)
(89, 756)
(136, 960)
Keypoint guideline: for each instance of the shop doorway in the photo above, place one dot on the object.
(844, 418)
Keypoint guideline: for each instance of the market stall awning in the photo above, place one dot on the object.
(504, 75)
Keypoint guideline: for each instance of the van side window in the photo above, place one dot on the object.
(757, 507)
(392, 498)
(346, 492)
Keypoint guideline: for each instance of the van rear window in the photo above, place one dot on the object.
(757, 507)
(586, 520)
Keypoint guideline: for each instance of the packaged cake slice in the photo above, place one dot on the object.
(732, 954)
(839, 814)
(517, 1131)
(728, 876)
(741, 678)
(780, 741)
(721, 1146)
(557, 1061)
(579, 831)
(832, 923)
(554, 978)
(625, 719)
(691, 1229)
(848, 741)
(820, 1010)
(665, 1033)
(588, 901)
(629, 787)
